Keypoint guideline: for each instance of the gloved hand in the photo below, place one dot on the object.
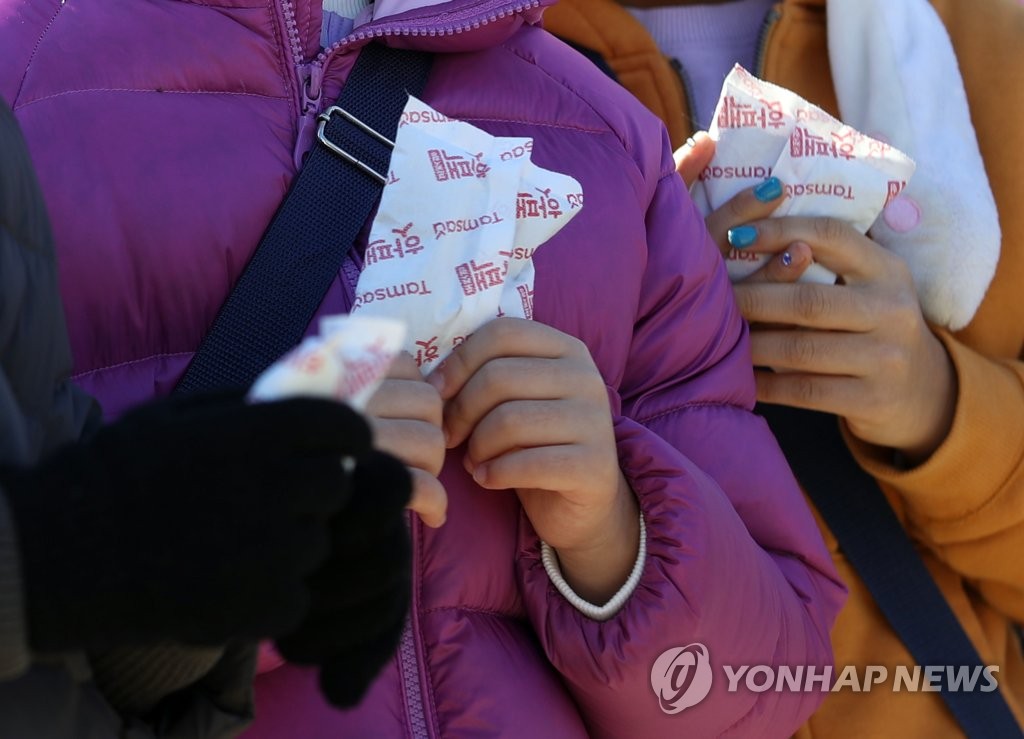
(360, 596)
(191, 519)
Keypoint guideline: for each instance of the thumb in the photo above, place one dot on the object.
(692, 157)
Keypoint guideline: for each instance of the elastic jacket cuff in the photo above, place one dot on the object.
(598, 613)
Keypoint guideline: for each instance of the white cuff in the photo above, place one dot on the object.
(598, 613)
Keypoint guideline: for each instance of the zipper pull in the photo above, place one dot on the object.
(310, 79)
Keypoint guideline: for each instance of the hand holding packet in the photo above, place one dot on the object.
(452, 243)
(827, 168)
(347, 362)
(450, 248)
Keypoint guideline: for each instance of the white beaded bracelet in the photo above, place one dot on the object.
(598, 613)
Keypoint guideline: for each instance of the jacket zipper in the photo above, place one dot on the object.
(684, 83)
(770, 20)
(406, 657)
(409, 676)
(408, 654)
(773, 17)
(309, 75)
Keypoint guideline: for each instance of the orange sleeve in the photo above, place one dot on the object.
(966, 501)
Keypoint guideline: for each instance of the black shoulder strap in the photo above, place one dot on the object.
(275, 298)
(875, 543)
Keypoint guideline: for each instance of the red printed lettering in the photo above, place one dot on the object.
(734, 114)
(820, 188)
(738, 255)
(526, 297)
(362, 372)
(391, 292)
(894, 190)
(803, 143)
(456, 166)
(732, 173)
(307, 362)
(545, 206)
(461, 225)
(474, 278)
(428, 351)
(517, 152)
(422, 116)
(404, 243)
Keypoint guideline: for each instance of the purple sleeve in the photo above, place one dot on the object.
(734, 558)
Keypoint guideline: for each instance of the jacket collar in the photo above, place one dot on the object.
(451, 25)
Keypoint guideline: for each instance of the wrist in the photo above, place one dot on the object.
(918, 415)
(597, 567)
(940, 406)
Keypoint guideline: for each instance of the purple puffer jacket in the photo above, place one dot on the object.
(166, 133)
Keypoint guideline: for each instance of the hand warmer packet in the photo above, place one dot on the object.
(452, 244)
(346, 362)
(827, 167)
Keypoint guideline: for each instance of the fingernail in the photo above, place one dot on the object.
(480, 474)
(787, 259)
(768, 190)
(742, 236)
(690, 143)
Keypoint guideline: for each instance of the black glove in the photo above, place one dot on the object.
(191, 519)
(360, 596)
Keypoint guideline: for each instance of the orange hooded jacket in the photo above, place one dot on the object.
(964, 506)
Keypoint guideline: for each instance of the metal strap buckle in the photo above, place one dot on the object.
(325, 117)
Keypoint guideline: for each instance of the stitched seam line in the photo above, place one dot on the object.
(610, 129)
(470, 609)
(155, 92)
(575, 94)
(560, 126)
(583, 100)
(129, 363)
(690, 406)
(32, 56)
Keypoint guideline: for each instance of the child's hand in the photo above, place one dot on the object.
(534, 410)
(405, 413)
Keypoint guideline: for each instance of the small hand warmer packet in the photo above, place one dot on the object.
(828, 168)
(452, 244)
(347, 361)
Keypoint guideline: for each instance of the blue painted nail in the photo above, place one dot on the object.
(768, 190)
(742, 236)
(787, 259)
